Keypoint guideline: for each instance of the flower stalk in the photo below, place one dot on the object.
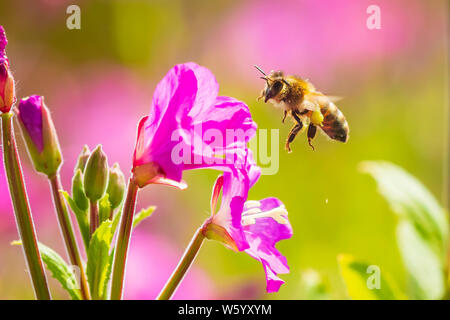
(67, 232)
(22, 210)
(183, 266)
(123, 240)
(94, 217)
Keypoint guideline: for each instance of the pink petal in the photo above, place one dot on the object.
(262, 234)
(185, 110)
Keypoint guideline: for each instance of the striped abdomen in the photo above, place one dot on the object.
(334, 123)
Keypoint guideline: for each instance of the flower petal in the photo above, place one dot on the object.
(265, 223)
(3, 43)
(236, 184)
(188, 125)
(30, 113)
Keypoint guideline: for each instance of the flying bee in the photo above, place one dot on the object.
(308, 107)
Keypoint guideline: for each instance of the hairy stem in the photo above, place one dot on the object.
(183, 266)
(22, 210)
(123, 241)
(66, 229)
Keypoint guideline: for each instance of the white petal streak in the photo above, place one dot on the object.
(254, 212)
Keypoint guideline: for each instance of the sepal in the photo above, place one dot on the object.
(215, 232)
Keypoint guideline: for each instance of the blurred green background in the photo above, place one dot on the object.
(98, 82)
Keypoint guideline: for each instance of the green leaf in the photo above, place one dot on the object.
(143, 214)
(59, 269)
(410, 200)
(427, 280)
(422, 232)
(82, 218)
(367, 282)
(108, 275)
(104, 208)
(99, 260)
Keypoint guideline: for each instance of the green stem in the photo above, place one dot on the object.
(22, 210)
(67, 232)
(123, 240)
(183, 266)
(94, 218)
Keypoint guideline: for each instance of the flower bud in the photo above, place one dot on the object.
(96, 175)
(7, 87)
(116, 186)
(78, 194)
(40, 135)
(82, 159)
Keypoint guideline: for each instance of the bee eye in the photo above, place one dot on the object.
(273, 90)
(276, 88)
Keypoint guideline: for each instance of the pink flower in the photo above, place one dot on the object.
(251, 226)
(265, 223)
(39, 134)
(3, 43)
(189, 127)
(7, 89)
(30, 114)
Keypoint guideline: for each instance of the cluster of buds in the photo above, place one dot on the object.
(95, 182)
(7, 91)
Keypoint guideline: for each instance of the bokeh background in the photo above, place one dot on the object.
(98, 82)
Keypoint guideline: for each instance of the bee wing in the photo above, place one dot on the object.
(335, 98)
(320, 95)
(314, 100)
(310, 105)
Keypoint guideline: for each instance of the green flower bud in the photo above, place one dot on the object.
(96, 175)
(40, 135)
(83, 158)
(116, 186)
(78, 194)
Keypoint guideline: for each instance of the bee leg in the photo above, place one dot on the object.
(304, 112)
(285, 114)
(312, 129)
(292, 134)
(296, 114)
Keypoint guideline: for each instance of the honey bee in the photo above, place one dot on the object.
(308, 107)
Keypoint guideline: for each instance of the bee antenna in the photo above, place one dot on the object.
(260, 70)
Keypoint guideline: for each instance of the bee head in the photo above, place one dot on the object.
(272, 89)
(275, 83)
